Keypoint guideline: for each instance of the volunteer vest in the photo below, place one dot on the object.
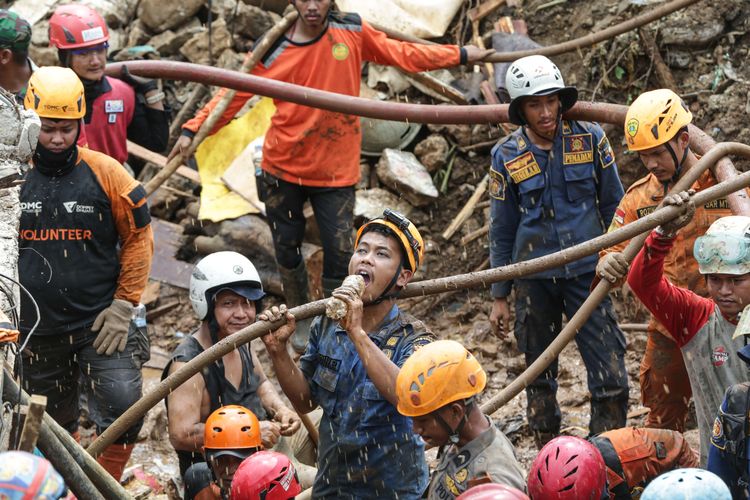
(69, 258)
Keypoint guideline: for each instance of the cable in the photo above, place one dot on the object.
(36, 310)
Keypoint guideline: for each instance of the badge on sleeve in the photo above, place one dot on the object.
(606, 155)
(497, 185)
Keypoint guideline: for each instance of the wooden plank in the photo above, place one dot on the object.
(144, 154)
(484, 9)
(32, 423)
(468, 209)
(240, 178)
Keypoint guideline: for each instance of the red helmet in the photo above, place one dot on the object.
(567, 468)
(267, 475)
(492, 491)
(76, 26)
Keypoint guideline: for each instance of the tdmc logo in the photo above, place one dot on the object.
(33, 207)
(74, 207)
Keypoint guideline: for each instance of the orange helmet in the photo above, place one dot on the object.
(232, 427)
(654, 118)
(57, 93)
(437, 374)
(76, 26)
(407, 233)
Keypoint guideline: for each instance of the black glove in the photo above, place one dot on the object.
(140, 84)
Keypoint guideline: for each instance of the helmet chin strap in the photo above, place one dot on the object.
(454, 435)
(387, 294)
(677, 164)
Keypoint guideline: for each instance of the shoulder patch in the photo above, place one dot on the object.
(606, 154)
(566, 127)
(497, 185)
(523, 167)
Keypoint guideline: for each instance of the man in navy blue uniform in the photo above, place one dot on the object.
(367, 449)
(553, 185)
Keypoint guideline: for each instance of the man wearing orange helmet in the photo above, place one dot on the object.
(86, 242)
(232, 434)
(366, 449)
(116, 109)
(656, 127)
(438, 388)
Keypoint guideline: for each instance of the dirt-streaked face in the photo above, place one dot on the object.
(377, 258)
(730, 292)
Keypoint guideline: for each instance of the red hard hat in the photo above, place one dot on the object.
(267, 475)
(76, 26)
(567, 468)
(492, 491)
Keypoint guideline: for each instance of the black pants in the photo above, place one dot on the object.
(333, 208)
(59, 364)
(540, 305)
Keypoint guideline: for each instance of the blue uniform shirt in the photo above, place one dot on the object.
(545, 201)
(367, 448)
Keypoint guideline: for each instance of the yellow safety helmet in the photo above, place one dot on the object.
(407, 233)
(435, 375)
(55, 92)
(654, 118)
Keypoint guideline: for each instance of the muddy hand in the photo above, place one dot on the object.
(275, 341)
(352, 321)
(612, 267)
(682, 200)
(180, 147)
(269, 433)
(288, 420)
(500, 318)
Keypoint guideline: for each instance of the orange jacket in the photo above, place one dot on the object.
(635, 456)
(680, 267)
(314, 147)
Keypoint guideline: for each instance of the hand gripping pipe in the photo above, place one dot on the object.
(428, 287)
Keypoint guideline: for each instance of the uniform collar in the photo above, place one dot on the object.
(468, 452)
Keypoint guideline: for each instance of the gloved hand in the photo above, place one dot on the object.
(113, 324)
(669, 229)
(612, 267)
(140, 85)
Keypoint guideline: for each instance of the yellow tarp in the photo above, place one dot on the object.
(216, 154)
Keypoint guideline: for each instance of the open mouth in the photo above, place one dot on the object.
(367, 276)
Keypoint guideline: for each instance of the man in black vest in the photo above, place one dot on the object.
(225, 291)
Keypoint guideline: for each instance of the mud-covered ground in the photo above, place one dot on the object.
(706, 48)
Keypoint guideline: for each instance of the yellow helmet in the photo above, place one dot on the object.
(55, 92)
(654, 118)
(407, 233)
(437, 374)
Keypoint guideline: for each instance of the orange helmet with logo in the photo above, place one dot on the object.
(232, 427)
(57, 93)
(437, 374)
(654, 118)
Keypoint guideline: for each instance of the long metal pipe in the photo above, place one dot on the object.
(464, 281)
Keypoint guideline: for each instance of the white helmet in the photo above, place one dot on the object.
(219, 271)
(535, 75)
(725, 248)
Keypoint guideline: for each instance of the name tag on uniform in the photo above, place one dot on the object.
(523, 167)
(114, 106)
(577, 149)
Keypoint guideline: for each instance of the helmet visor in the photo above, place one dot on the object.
(727, 249)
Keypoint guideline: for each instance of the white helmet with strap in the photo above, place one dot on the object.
(725, 248)
(535, 76)
(223, 270)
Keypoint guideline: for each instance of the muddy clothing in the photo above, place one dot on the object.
(116, 113)
(662, 365)
(544, 201)
(86, 239)
(221, 392)
(199, 483)
(314, 147)
(367, 449)
(703, 334)
(636, 456)
(333, 208)
(60, 366)
(488, 458)
(540, 305)
(729, 455)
